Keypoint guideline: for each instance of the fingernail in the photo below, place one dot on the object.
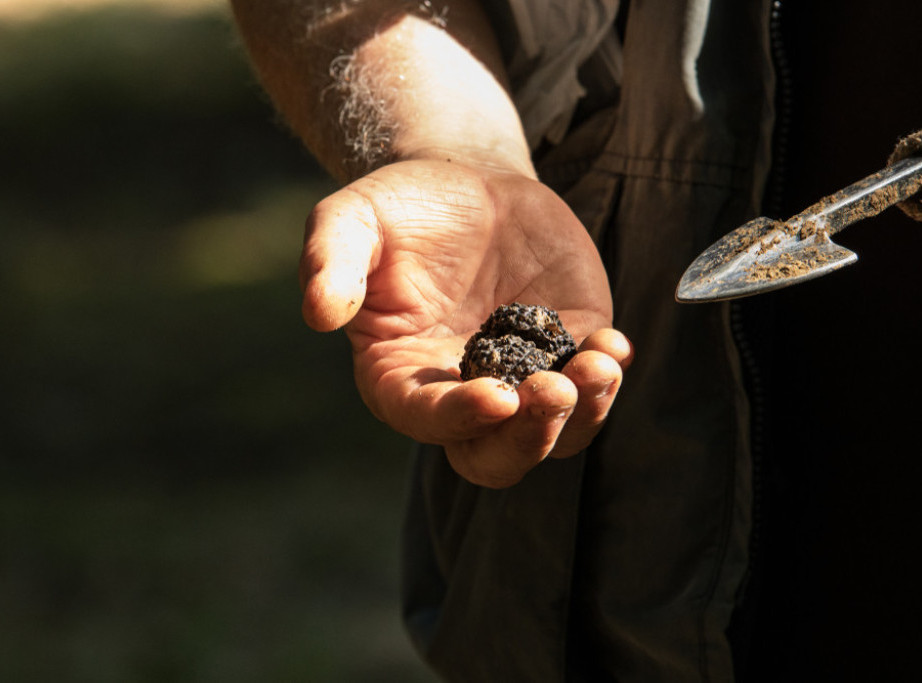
(551, 412)
(605, 391)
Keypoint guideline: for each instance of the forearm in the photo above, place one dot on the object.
(367, 82)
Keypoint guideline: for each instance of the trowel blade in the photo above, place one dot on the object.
(759, 257)
(766, 254)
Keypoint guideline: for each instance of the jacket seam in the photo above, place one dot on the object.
(568, 609)
(676, 160)
(723, 545)
(669, 179)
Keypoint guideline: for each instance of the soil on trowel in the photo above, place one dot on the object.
(788, 266)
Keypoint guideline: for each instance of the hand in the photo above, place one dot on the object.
(412, 258)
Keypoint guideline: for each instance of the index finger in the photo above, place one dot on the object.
(432, 406)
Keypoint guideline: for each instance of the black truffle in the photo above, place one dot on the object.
(515, 342)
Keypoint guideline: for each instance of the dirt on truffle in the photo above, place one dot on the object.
(516, 341)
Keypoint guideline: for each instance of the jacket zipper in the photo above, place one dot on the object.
(740, 327)
(774, 196)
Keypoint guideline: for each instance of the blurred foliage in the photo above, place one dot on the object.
(190, 489)
(102, 110)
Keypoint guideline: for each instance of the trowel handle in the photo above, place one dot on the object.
(865, 198)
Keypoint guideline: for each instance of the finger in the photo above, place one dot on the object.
(547, 401)
(611, 342)
(431, 406)
(597, 377)
(341, 244)
(503, 456)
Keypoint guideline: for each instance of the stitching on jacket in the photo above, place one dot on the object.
(720, 561)
(687, 162)
(569, 170)
(668, 179)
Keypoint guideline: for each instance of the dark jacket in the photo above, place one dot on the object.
(632, 562)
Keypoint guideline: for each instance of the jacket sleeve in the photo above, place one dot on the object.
(546, 43)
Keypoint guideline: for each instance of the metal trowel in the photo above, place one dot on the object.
(766, 254)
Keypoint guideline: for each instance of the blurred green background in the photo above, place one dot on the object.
(190, 488)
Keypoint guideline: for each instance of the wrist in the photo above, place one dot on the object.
(417, 92)
(500, 158)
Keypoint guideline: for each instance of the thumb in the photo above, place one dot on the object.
(341, 243)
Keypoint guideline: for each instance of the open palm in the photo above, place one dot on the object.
(412, 258)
